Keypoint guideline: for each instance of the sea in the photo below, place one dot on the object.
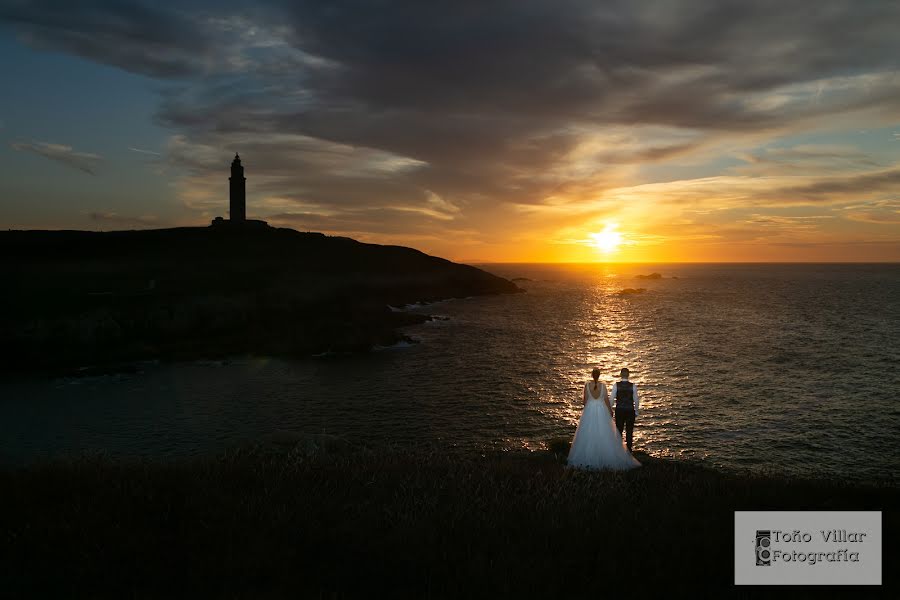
(791, 369)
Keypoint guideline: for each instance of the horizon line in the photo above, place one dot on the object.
(690, 262)
(508, 262)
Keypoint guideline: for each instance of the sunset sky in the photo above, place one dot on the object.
(479, 131)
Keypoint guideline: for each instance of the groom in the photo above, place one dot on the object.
(627, 402)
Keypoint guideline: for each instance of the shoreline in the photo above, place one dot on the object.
(553, 451)
(395, 338)
(398, 319)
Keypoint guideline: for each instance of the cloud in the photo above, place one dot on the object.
(730, 191)
(141, 151)
(83, 161)
(870, 184)
(878, 218)
(807, 159)
(882, 212)
(131, 35)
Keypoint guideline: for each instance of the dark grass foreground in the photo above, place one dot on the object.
(334, 521)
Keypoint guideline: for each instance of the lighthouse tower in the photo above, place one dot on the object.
(237, 203)
(237, 207)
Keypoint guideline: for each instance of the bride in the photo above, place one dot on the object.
(597, 443)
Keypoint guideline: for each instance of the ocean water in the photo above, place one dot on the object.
(782, 368)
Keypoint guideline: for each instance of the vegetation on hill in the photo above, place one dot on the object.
(76, 298)
(322, 518)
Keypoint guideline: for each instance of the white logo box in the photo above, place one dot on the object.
(773, 547)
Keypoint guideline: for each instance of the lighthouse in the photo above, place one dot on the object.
(237, 206)
(237, 202)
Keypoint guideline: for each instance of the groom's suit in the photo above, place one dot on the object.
(627, 402)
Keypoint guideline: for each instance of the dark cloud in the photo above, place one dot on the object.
(685, 64)
(134, 36)
(810, 159)
(866, 184)
(83, 161)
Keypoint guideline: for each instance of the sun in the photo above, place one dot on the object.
(607, 240)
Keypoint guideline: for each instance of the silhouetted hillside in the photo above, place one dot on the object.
(79, 298)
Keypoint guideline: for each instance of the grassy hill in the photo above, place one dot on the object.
(320, 518)
(79, 298)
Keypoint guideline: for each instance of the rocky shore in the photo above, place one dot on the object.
(80, 299)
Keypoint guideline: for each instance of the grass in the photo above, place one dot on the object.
(341, 521)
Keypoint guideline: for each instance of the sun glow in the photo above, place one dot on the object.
(606, 241)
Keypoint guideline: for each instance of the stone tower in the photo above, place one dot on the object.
(237, 208)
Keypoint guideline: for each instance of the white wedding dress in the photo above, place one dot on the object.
(597, 443)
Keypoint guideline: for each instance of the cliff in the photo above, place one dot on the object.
(77, 298)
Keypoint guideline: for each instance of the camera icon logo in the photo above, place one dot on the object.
(763, 547)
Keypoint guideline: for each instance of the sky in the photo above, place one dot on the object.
(488, 131)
